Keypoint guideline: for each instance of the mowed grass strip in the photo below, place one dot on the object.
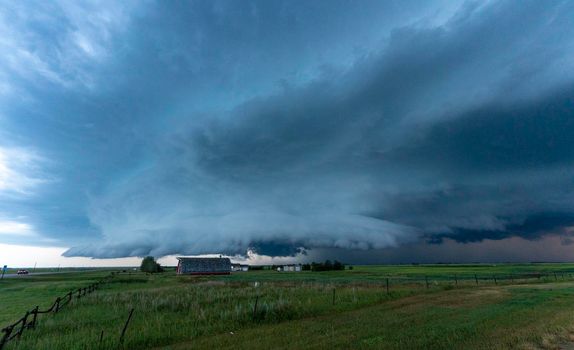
(539, 317)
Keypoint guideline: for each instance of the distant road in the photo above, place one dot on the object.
(14, 275)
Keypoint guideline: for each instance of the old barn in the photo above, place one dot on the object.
(203, 266)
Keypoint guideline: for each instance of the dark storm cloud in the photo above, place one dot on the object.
(495, 138)
(508, 171)
(282, 127)
(533, 227)
(421, 134)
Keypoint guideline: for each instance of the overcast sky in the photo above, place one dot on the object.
(372, 131)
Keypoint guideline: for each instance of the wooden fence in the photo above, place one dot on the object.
(30, 318)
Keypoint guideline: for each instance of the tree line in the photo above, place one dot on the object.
(324, 266)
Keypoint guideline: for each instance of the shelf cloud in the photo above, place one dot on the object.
(212, 127)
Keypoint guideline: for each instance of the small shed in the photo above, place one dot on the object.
(239, 268)
(203, 266)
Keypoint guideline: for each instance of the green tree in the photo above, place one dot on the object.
(150, 265)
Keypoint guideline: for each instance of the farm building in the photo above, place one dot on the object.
(203, 266)
(289, 268)
(239, 268)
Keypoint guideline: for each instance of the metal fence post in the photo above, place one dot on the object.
(255, 306)
(126, 327)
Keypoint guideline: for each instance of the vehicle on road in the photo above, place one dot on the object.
(22, 272)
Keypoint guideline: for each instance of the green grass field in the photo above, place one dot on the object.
(338, 309)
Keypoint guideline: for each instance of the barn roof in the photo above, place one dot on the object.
(203, 265)
(214, 260)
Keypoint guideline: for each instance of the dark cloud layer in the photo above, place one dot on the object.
(213, 127)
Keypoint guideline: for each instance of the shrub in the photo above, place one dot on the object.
(150, 265)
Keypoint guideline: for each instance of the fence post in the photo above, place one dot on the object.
(57, 304)
(387, 286)
(455, 280)
(126, 327)
(427, 282)
(555, 278)
(476, 279)
(7, 332)
(333, 296)
(23, 324)
(494, 277)
(35, 312)
(101, 339)
(255, 306)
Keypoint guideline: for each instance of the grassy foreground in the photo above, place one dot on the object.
(23, 293)
(485, 318)
(296, 310)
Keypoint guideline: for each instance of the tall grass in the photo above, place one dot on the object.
(169, 310)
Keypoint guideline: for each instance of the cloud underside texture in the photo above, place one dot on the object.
(460, 131)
